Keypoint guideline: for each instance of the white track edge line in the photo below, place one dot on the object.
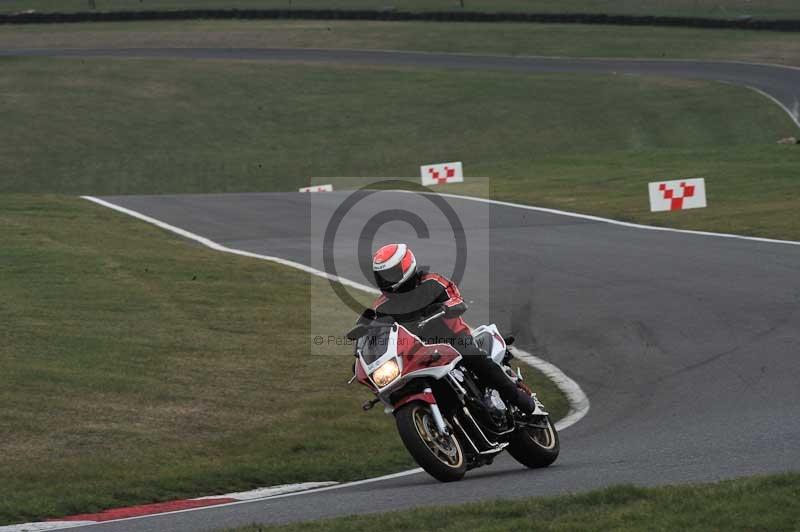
(267, 492)
(42, 526)
(579, 403)
(795, 118)
(69, 524)
(219, 247)
(236, 503)
(578, 409)
(614, 222)
(792, 116)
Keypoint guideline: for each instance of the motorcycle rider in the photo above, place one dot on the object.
(410, 295)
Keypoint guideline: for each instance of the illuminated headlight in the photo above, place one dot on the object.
(386, 373)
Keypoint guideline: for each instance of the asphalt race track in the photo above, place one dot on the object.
(778, 82)
(686, 344)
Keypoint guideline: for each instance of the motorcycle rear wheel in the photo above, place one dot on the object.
(533, 447)
(440, 455)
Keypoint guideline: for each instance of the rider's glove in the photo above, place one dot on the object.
(455, 311)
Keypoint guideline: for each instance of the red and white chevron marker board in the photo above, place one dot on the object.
(317, 188)
(438, 174)
(677, 195)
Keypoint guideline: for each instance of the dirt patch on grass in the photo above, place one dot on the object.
(769, 50)
(678, 83)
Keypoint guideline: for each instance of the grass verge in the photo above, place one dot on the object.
(139, 368)
(692, 8)
(510, 39)
(584, 143)
(760, 503)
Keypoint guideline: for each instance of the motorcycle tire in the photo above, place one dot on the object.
(535, 448)
(440, 456)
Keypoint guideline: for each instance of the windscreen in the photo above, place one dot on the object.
(373, 346)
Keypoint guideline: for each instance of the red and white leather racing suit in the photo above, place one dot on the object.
(426, 294)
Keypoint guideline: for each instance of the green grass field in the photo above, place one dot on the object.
(585, 143)
(698, 8)
(760, 503)
(138, 367)
(510, 39)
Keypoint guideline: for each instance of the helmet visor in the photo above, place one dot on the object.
(388, 279)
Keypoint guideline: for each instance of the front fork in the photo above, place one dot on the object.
(437, 418)
(426, 396)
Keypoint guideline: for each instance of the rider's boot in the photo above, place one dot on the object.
(497, 379)
(519, 397)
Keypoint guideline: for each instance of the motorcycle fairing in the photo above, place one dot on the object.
(488, 338)
(418, 360)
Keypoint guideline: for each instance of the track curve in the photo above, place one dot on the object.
(686, 344)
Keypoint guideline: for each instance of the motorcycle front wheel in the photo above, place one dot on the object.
(439, 454)
(535, 447)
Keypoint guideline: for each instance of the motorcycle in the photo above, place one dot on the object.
(447, 419)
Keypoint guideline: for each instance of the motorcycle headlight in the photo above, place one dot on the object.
(385, 374)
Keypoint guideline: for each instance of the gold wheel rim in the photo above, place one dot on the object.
(446, 449)
(546, 437)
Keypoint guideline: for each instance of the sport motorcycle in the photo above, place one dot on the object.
(448, 420)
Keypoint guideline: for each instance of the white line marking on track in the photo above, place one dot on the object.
(614, 222)
(219, 247)
(70, 524)
(794, 115)
(579, 403)
(44, 525)
(265, 493)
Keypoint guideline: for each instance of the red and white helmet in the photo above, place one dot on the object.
(393, 265)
